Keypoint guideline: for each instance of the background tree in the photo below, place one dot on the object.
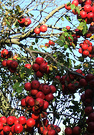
(46, 79)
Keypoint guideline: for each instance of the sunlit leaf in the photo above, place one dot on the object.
(72, 6)
(68, 18)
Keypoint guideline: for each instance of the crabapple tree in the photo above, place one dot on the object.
(46, 67)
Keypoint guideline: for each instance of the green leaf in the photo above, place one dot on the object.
(22, 76)
(31, 47)
(62, 38)
(80, 28)
(20, 89)
(82, 24)
(79, 19)
(73, 45)
(69, 62)
(68, 18)
(23, 29)
(16, 12)
(66, 34)
(78, 66)
(77, 9)
(64, 29)
(72, 6)
(75, 102)
(69, 3)
(23, 70)
(33, 43)
(16, 85)
(8, 23)
(71, 37)
(81, 59)
(36, 40)
(62, 18)
(66, 46)
(17, 24)
(55, 55)
(59, 42)
(15, 77)
(28, 71)
(31, 15)
(18, 7)
(19, 58)
(84, 31)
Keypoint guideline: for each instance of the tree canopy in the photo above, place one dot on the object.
(46, 67)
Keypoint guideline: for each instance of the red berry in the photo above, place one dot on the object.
(22, 20)
(18, 128)
(1, 125)
(35, 67)
(6, 129)
(10, 120)
(75, 2)
(68, 7)
(68, 27)
(83, 14)
(80, 50)
(30, 122)
(87, 8)
(51, 42)
(68, 131)
(37, 30)
(27, 86)
(43, 28)
(39, 60)
(85, 53)
(28, 66)
(27, 22)
(35, 84)
(76, 130)
(4, 63)
(22, 120)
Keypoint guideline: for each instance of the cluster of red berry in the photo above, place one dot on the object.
(11, 125)
(11, 64)
(40, 67)
(73, 131)
(37, 102)
(86, 49)
(70, 83)
(74, 40)
(73, 37)
(50, 43)
(6, 54)
(86, 10)
(24, 22)
(43, 28)
(87, 99)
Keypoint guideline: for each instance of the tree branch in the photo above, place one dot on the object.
(49, 55)
(28, 34)
(52, 13)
